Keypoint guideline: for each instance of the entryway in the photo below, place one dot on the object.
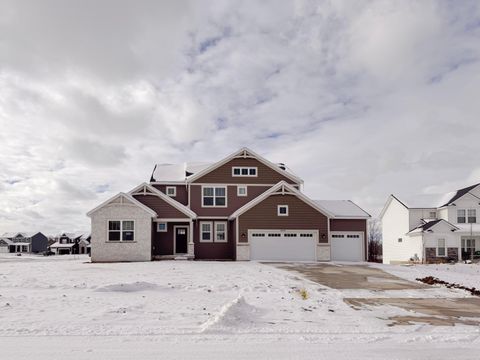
(181, 239)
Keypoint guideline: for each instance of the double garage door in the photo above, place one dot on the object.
(288, 245)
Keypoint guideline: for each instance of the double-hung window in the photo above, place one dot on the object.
(441, 251)
(214, 196)
(206, 232)
(461, 216)
(121, 230)
(472, 216)
(220, 232)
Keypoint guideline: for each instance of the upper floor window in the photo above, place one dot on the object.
(472, 216)
(214, 196)
(433, 214)
(171, 191)
(461, 216)
(121, 230)
(282, 210)
(241, 190)
(244, 171)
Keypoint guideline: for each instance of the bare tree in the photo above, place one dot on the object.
(374, 240)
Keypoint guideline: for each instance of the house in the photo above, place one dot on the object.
(243, 207)
(23, 242)
(450, 231)
(71, 243)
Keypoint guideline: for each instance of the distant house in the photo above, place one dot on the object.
(71, 243)
(23, 242)
(450, 231)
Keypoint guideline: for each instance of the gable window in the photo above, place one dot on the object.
(244, 171)
(461, 216)
(121, 230)
(214, 196)
(472, 216)
(206, 232)
(241, 190)
(162, 227)
(441, 251)
(220, 232)
(282, 210)
(400, 240)
(171, 191)
(433, 215)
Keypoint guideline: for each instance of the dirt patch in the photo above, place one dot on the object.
(430, 280)
(349, 276)
(437, 312)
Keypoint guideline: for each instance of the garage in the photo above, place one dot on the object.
(346, 246)
(283, 245)
(4, 249)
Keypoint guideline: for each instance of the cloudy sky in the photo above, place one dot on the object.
(360, 98)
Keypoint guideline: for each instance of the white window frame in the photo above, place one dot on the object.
(201, 231)
(444, 247)
(248, 170)
(214, 196)
(174, 188)
(464, 216)
(242, 187)
(278, 210)
(216, 231)
(434, 213)
(468, 216)
(121, 231)
(158, 226)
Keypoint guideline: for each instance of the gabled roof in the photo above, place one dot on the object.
(176, 173)
(23, 234)
(460, 193)
(393, 197)
(246, 153)
(280, 188)
(123, 196)
(429, 224)
(147, 189)
(6, 240)
(343, 209)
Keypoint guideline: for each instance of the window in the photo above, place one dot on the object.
(244, 171)
(220, 232)
(214, 196)
(441, 247)
(472, 216)
(206, 232)
(162, 227)
(337, 236)
(24, 248)
(121, 230)
(400, 240)
(241, 190)
(461, 216)
(433, 215)
(171, 191)
(282, 210)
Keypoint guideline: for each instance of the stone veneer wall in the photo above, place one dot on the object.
(431, 255)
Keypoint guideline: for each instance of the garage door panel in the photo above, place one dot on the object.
(282, 246)
(347, 246)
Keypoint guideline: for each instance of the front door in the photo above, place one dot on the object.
(181, 240)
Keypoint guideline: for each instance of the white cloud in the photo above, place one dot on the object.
(360, 99)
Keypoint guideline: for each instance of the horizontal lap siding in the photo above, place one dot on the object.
(163, 241)
(182, 193)
(162, 208)
(223, 174)
(359, 225)
(301, 217)
(234, 202)
(214, 251)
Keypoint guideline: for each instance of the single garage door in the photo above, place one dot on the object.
(278, 245)
(4, 249)
(347, 246)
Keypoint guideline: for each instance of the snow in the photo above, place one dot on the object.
(177, 172)
(64, 306)
(342, 208)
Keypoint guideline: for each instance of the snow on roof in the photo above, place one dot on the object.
(451, 197)
(25, 234)
(6, 240)
(342, 208)
(58, 245)
(177, 172)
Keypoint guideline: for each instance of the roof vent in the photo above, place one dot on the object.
(282, 166)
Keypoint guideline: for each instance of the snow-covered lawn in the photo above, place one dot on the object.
(50, 306)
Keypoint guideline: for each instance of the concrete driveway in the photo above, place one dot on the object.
(437, 311)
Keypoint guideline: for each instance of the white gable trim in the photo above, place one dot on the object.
(282, 188)
(245, 153)
(122, 196)
(387, 204)
(142, 190)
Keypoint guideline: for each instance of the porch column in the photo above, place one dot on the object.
(191, 245)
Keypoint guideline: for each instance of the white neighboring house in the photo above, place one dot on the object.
(450, 231)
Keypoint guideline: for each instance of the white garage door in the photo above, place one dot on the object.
(347, 246)
(3, 249)
(288, 245)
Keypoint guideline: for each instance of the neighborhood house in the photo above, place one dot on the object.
(71, 243)
(450, 232)
(243, 207)
(23, 242)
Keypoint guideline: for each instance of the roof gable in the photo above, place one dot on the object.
(245, 153)
(431, 225)
(460, 193)
(122, 198)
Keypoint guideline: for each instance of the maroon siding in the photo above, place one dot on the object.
(223, 174)
(301, 216)
(162, 242)
(214, 251)
(233, 201)
(162, 208)
(351, 225)
(182, 193)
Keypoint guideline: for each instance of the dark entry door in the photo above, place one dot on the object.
(181, 240)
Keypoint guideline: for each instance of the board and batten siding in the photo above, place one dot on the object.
(160, 206)
(301, 216)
